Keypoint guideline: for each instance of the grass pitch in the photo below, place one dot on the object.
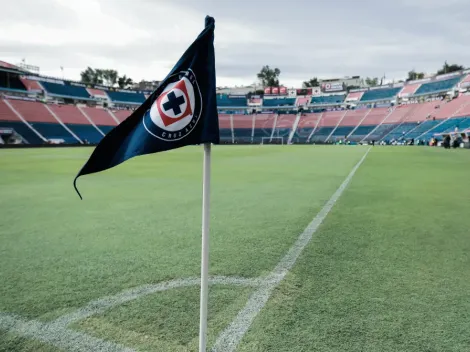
(388, 270)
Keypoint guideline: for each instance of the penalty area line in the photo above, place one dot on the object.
(229, 339)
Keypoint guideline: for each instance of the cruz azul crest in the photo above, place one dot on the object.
(176, 111)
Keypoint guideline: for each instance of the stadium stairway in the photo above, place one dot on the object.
(294, 128)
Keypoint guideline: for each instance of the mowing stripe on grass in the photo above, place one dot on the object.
(102, 304)
(229, 339)
(58, 336)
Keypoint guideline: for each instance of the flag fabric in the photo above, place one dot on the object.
(182, 111)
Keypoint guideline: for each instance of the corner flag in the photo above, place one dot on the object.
(182, 111)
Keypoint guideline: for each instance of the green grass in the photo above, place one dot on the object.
(387, 271)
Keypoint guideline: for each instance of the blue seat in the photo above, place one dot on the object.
(23, 130)
(279, 102)
(65, 90)
(126, 97)
(86, 132)
(230, 101)
(438, 86)
(302, 134)
(242, 134)
(321, 134)
(398, 132)
(343, 131)
(422, 128)
(381, 131)
(105, 129)
(363, 130)
(54, 131)
(225, 133)
(380, 94)
(328, 99)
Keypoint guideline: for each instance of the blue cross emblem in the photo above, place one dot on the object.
(174, 103)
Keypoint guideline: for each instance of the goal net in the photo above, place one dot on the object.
(272, 140)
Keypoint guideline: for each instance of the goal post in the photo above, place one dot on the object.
(272, 140)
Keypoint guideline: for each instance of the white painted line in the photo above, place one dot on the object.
(229, 339)
(105, 303)
(58, 336)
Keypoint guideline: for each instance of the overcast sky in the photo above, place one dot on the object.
(304, 38)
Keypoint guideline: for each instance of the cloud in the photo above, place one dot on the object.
(304, 38)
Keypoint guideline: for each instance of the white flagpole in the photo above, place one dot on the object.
(206, 187)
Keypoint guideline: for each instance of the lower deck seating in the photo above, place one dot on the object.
(343, 131)
(105, 129)
(449, 125)
(23, 130)
(321, 134)
(225, 134)
(54, 131)
(399, 132)
(87, 133)
(380, 131)
(422, 128)
(361, 132)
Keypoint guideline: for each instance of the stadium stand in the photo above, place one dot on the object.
(437, 86)
(225, 128)
(69, 114)
(242, 128)
(74, 119)
(99, 116)
(231, 101)
(121, 115)
(42, 120)
(349, 123)
(409, 90)
(97, 92)
(328, 99)
(284, 126)
(31, 85)
(278, 102)
(65, 90)
(327, 124)
(264, 124)
(366, 120)
(465, 81)
(373, 118)
(11, 82)
(126, 97)
(306, 126)
(301, 101)
(9, 120)
(32, 111)
(354, 96)
(380, 94)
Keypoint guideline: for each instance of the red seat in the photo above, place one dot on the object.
(224, 121)
(32, 111)
(69, 114)
(6, 114)
(99, 116)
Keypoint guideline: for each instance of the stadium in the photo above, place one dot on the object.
(39, 110)
(337, 218)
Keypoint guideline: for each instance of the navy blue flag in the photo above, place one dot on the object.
(182, 111)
